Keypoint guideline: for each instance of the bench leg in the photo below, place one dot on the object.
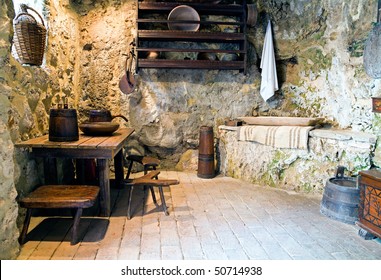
(164, 205)
(24, 231)
(77, 218)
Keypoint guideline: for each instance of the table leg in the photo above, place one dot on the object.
(104, 184)
(119, 171)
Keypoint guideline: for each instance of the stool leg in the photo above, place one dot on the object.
(129, 170)
(164, 205)
(24, 231)
(129, 203)
(74, 234)
(156, 177)
(152, 191)
(153, 195)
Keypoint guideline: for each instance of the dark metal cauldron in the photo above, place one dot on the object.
(103, 116)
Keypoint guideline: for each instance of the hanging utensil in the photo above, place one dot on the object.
(128, 82)
(123, 83)
(252, 14)
(130, 73)
(372, 50)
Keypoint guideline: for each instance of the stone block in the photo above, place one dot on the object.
(294, 169)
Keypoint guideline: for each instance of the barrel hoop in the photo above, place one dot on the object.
(337, 202)
(343, 188)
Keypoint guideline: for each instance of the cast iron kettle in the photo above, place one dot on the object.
(103, 115)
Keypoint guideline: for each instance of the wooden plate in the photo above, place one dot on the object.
(98, 128)
(186, 13)
(297, 121)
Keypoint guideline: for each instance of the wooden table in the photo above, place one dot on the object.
(101, 148)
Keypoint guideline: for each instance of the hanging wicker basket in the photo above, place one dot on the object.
(29, 37)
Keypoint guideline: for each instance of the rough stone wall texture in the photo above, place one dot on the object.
(27, 94)
(319, 47)
(321, 74)
(168, 106)
(320, 59)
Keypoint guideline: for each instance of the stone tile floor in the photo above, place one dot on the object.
(212, 219)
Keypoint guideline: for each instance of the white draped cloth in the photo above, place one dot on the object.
(290, 137)
(269, 83)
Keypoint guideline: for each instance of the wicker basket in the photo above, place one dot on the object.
(30, 37)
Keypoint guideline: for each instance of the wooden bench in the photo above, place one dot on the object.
(151, 179)
(59, 196)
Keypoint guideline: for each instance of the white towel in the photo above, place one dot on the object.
(269, 83)
(292, 137)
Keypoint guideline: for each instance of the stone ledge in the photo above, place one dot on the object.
(344, 135)
(336, 134)
(226, 127)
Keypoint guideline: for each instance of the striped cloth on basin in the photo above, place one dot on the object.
(292, 137)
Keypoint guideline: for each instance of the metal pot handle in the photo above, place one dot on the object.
(340, 172)
(120, 116)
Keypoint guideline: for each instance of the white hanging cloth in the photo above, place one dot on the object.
(269, 83)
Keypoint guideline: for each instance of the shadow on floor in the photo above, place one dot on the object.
(58, 229)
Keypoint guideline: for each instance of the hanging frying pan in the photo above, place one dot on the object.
(372, 50)
(131, 73)
(123, 83)
(128, 82)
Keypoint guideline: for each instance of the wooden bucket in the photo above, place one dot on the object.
(341, 199)
(206, 153)
(63, 125)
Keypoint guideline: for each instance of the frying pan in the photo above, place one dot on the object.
(372, 50)
(252, 14)
(128, 82)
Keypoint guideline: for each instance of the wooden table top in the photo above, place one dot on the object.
(114, 141)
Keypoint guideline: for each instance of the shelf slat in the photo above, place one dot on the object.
(152, 33)
(191, 64)
(218, 9)
(189, 50)
(202, 22)
(190, 35)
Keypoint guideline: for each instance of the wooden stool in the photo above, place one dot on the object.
(149, 163)
(59, 196)
(148, 180)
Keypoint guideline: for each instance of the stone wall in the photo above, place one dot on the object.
(319, 49)
(27, 94)
(320, 72)
(320, 59)
(168, 106)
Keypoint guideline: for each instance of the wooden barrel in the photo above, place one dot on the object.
(63, 125)
(206, 153)
(341, 200)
